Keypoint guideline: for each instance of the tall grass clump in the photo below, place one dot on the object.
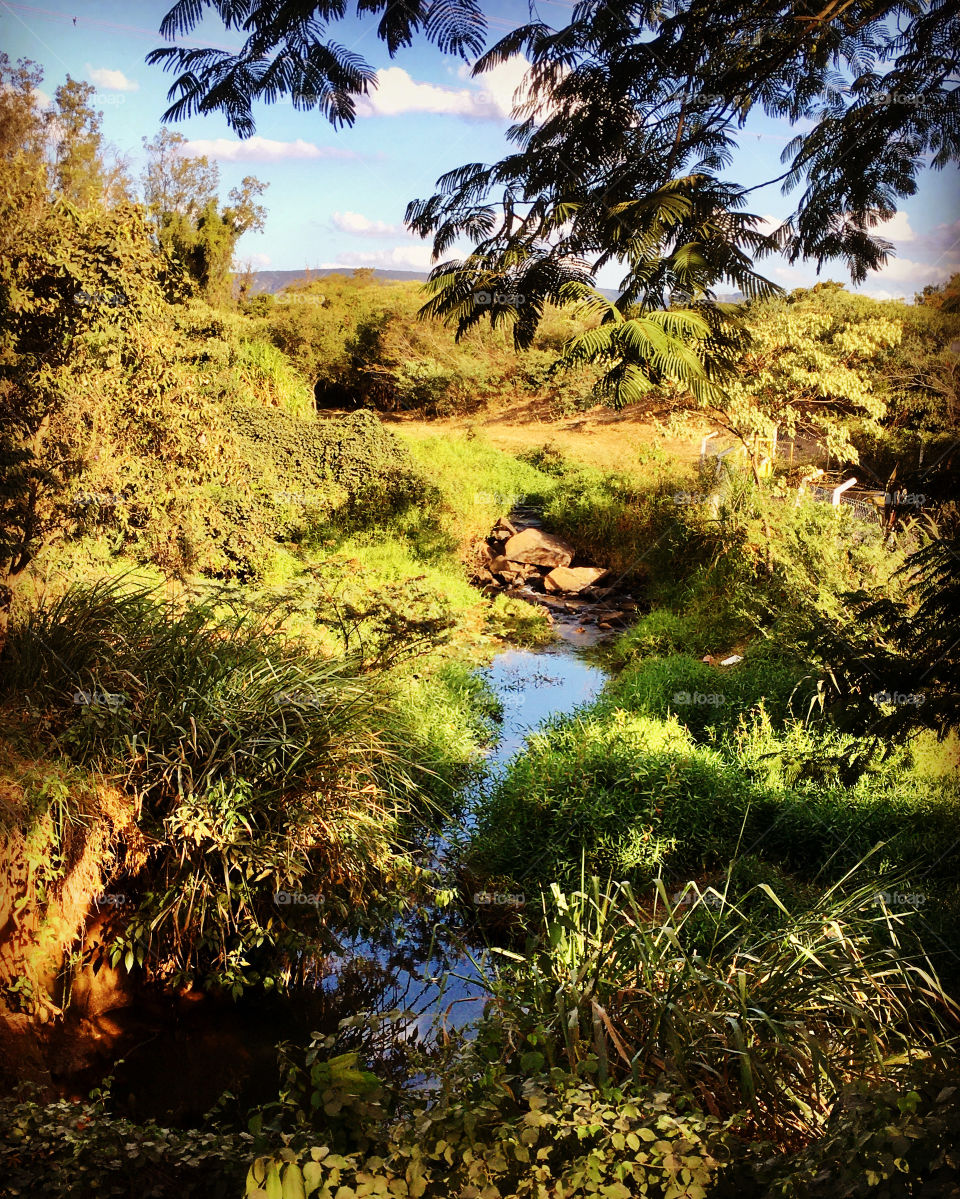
(254, 767)
(768, 1024)
(268, 374)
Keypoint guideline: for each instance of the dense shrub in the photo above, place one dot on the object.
(704, 697)
(897, 1140)
(359, 339)
(626, 788)
(314, 463)
(627, 795)
(78, 1150)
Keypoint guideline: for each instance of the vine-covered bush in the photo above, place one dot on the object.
(352, 459)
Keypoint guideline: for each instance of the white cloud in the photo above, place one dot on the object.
(258, 260)
(903, 269)
(915, 275)
(396, 92)
(934, 257)
(768, 224)
(40, 98)
(362, 226)
(897, 228)
(881, 293)
(111, 81)
(261, 149)
(401, 258)
(504, 85)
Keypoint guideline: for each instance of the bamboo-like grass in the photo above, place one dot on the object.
(766, 1022)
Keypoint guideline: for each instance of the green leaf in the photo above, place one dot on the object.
(274, 1187)
(293, 1182)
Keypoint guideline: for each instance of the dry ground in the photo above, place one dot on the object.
(599, 436)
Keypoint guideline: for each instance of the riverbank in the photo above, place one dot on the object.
(397, 864)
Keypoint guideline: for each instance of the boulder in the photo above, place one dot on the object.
(572, 578)
(538, 548)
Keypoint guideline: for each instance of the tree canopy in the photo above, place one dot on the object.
(625, 140)
(624, 137)
(287, 53)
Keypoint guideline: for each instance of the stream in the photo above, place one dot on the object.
(424, 967)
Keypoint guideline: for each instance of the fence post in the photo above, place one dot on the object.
(838, 491)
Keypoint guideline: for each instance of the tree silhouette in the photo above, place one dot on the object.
(287, 53)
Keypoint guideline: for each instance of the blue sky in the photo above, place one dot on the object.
(337, 197)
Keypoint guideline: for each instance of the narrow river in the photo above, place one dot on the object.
(422, 964)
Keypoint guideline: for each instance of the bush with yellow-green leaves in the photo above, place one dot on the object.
(524, 1141)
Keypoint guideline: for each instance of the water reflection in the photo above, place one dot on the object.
(426, 962)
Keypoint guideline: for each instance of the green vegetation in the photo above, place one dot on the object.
(244, 712)
(360, 342)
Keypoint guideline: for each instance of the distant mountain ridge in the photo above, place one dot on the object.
(276, 281)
